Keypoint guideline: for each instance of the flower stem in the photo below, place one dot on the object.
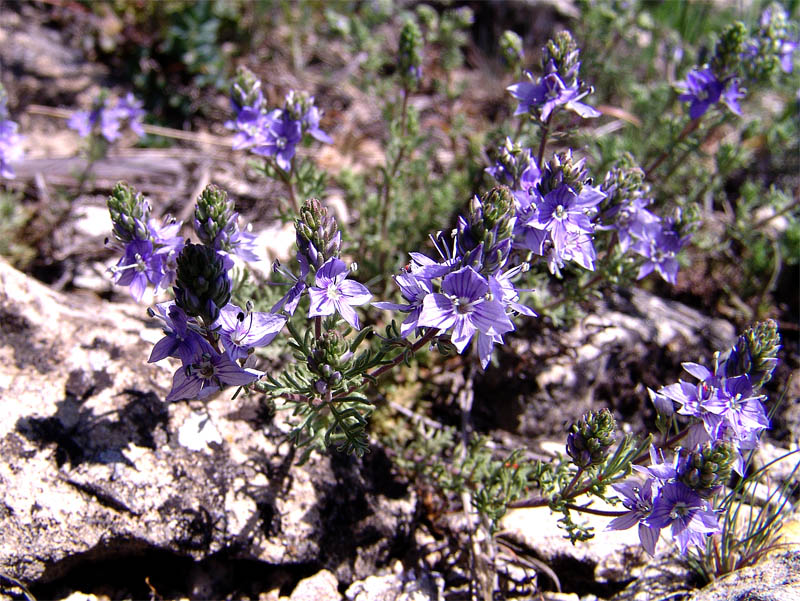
(690, 127)
(565, 493)
(605, 512)
(543, 141)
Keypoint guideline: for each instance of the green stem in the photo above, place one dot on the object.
(543, 141)
(286, 178)
(388, 178)
(565, 493)
(427, 337)
(690, 127)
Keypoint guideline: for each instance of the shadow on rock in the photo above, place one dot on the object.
(79, 435)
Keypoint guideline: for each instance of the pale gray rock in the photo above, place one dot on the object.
(610, 557)
(39, 57)
(319, 587)
(777, 578)
(93, 466)
(603, 360)
(397, 584)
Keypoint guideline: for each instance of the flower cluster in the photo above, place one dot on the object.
(107, 120)
(149, 250)
(774, 44)
(758, 56)
(318, 247)
(10, 140)
(272, 133)
(211, 336)
(469, 292)
(409, 55)
(625, 211)
(660, 498)
(728, 417)
(722, 407)
(560, 86)
(554, 207)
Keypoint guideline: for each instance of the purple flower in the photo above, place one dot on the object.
(280, 140)
(463, 305)
(562, 211)
(129, 108)
(180, 339)
(311, 124)
(252, 126)
(206, 374)
(659, 245)
(290, 300)
(689, 516)
(10, 147)
(335, 294)
(108, 119)
(504, 291)
(637, 497)
(414, 290)
(548, 94)
(577, 248)
(628, 218)
(138, 266)
(240, 331)
(726, 407)
(702, 89)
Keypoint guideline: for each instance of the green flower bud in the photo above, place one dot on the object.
(317, 233)
(410, 55)
(729, 48)
(129, 212)
(591, 437)
(246, 90)
(563, 170)
(485, 236)
(709, 468)
(213, 214)
(511, 50)
(624, 182)
(755, 353)
(203, 285)
(563, 52)
(329, 357)
(428, 16)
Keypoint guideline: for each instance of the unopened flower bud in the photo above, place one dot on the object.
(561, 55)
(708, 468)
(410, 55)
(203, 285)
(591, 437)
(246, 90)
(511, 49)
(317, 233)
(755, 353)
(129, 212)
(214, 217)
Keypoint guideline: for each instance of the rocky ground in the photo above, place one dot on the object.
(108, 493)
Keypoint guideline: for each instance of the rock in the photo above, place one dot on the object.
(320, 587)
(397, 585)
(777, 578)
(611, 557)
(662, 578)
(94, 469)
(545, 383)
(39, 57)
